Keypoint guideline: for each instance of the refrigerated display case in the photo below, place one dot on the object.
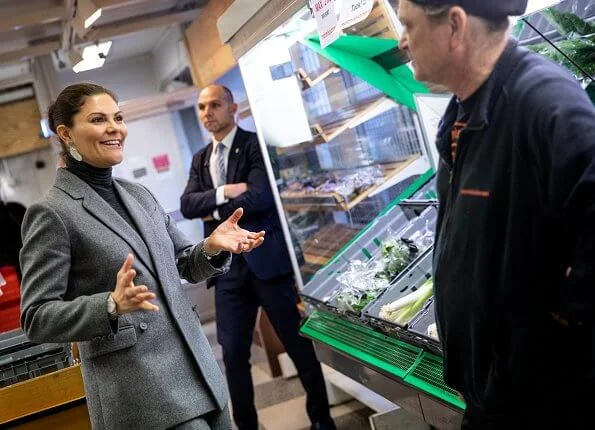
(349, 138)
(353, 176)
(372, 263)
(341, 127)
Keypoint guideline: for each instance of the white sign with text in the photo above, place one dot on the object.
(326, 21)
(354, 11)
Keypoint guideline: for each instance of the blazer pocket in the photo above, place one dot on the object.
(125, 338)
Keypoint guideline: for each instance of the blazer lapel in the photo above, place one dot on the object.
(234, 156)
(100, 209)
(206, 162)
(145, 224)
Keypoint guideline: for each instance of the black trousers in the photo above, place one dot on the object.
(561, 408)
(238, 294)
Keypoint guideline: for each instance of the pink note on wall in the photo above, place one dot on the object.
(161, 163)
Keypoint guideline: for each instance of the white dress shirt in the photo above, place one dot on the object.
(227, 141)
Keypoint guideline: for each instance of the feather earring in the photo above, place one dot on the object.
(74, 152)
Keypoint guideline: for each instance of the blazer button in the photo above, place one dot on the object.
(143, 326)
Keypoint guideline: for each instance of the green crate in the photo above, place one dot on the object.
(383, 352)
(427, 375)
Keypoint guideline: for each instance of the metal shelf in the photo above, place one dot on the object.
(333, 124)
(295, 201)
(308, 82)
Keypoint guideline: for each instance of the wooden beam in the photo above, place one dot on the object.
(30, 51)
(139, 24)
(159, 103)
(110, 4)
(236, 15)
(44, 16)
(67, 34)
(16, 81)
(108, 31)
(210, 59)
(267, 19)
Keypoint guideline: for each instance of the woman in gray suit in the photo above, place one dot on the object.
(101, 266)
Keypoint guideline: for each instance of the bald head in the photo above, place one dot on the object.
(221, 91)
(216, 110)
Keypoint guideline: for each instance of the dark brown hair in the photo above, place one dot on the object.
(69, 103)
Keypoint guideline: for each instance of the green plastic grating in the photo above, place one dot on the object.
(427, 375)
(388, 354)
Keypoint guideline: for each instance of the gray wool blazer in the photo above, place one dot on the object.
(147, 370)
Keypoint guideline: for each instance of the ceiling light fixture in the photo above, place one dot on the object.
(98, 50)
(87, 13)
(94, 17)
(88, 64)
(93, 57)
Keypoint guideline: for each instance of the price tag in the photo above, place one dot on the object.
(354, 11)
(326, 21)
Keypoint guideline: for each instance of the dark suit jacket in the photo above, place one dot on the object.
(245, 164)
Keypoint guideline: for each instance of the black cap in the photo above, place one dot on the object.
(490, 9)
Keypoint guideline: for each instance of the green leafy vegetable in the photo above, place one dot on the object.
(348, 301)
(397, 255)
(568, 24)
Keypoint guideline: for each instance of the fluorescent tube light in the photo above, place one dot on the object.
(94, 17)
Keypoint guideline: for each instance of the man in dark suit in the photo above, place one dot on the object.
(227, 174)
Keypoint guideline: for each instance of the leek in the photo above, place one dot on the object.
(402, 310)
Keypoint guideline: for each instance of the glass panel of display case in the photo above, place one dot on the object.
(565, 33)
(365, 149)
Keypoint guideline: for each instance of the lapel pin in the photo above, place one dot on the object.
(237, 150)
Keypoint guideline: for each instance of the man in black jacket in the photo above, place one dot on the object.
(513, 263)
(227, 174)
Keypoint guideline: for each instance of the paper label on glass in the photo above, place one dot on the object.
(326, 21)
(354, 11)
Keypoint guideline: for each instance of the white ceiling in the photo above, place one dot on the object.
(135, 44)
(135, 27)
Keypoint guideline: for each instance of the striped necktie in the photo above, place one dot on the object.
(221, 171)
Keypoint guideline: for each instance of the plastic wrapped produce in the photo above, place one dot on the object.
(424, 239)
(395, 254)
(359, 181)
(360, 286)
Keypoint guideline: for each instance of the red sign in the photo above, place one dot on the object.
(161, 163)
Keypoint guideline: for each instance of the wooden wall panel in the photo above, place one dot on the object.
(20, 128)
(209, 57)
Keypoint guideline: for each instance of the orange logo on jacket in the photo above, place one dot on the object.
(475, 193)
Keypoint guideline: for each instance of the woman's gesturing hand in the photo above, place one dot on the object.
(228, 236)
(130, 297)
